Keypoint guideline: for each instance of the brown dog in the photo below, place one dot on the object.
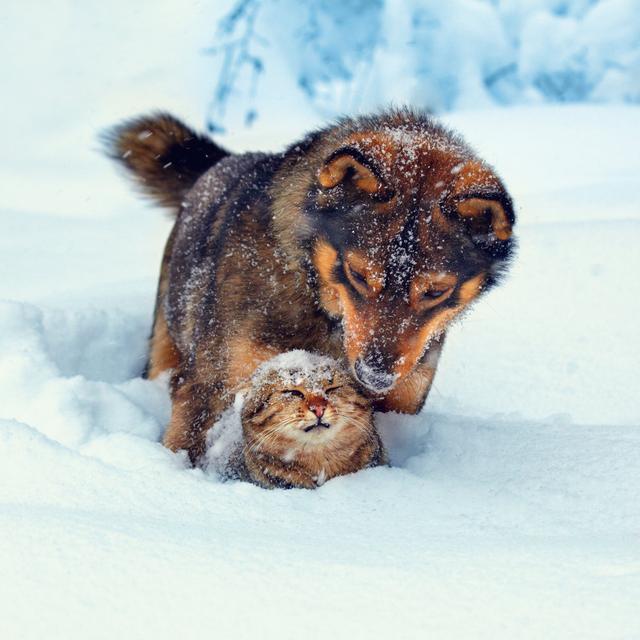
(363, 241)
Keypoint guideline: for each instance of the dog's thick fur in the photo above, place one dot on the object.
(363, 241)
(164, 156)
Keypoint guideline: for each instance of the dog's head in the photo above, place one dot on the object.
(406, 227)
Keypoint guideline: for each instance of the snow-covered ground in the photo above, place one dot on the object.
(512, 508)
(513, 505)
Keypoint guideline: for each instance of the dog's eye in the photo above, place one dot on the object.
(432, 297)
(358, 277)
(363, 278)
(293, 392)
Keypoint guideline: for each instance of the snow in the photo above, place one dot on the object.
(459, 54)
(511, 508)
(297, 367)
(223, 439)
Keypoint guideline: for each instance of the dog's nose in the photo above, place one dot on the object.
(376, 380)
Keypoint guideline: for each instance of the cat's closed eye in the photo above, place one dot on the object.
(292, 393)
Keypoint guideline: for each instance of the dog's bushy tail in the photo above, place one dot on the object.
(163, 155)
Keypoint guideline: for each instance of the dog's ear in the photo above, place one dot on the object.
(487, 215)
(481, 201)
(350, 165)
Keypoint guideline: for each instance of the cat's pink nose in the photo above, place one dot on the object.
(318, 406)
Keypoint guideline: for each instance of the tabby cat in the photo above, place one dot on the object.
(303, 423)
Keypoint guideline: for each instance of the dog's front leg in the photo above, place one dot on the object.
(198, 402)
(195, 406)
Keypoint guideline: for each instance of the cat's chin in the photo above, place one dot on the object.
(335, 433)
(317, 426)
(315, 434)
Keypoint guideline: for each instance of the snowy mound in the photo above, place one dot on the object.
(223, 439)
(73, 376)
(511, 509)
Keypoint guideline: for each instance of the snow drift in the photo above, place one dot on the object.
(512, 507)
(510, 510)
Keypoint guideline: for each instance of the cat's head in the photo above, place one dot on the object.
(304, 401)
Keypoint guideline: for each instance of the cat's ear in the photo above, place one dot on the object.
(252, 405)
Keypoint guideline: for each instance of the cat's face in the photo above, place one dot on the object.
(288, 412)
